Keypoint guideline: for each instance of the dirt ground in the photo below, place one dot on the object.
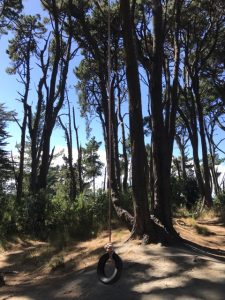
(149, 272)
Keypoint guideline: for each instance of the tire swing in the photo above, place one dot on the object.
(110, 265)
(115, 266)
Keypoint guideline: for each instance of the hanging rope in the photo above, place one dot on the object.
(109, 129)
(110, 254)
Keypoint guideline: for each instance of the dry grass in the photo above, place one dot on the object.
(43, 258)
(208, 214)
(185, 222)
(39, 259)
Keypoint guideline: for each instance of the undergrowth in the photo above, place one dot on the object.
(202, 230)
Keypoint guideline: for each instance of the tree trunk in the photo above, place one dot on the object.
(55, 93)
(121, 123)
(207, 187)
(68, 136)
(213, 155)
(115, 140)
(23, 128)
(93, 48)
(191, 125)
(160, 142)
(35, 125)
(197, 167)
(79, 156)
(21, 162)
(151, 181)
(181, 147)
(142, 224)
(173, 90)
(124, 152)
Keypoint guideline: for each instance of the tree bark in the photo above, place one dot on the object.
(68, 136)
(115, 140)
(20, 176)
(160, 141)
(121, 123)
(53, 108)
(23, 127)
(142, 224)
(103, 112)
(191, 125)
(79, 155)
(35, 125)
(181, 147)
(213, 156)
(207, 186)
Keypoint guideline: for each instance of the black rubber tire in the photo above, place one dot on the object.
(101, 268)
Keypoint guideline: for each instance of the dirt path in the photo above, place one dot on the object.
(149, 272)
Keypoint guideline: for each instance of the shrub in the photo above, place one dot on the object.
(81, 218)
(7, 215)
(202, 230)
(126, 200)
(184, 192)
(219, 200)
(219, 205)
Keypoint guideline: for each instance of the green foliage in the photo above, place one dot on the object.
(126, 200)
(82, 218)
(219, 201)
(5, 164)
(7, 215)
(79, 219)
(51, 212)
(99, 209)
(28, 31)
(185, 192)
(32, 213)
(202, 230)
(200, 31)
(90, 160)
(9, 14)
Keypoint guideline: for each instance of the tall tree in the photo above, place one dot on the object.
(69, 140)
(142, 225)
(91, 35)
(60, 56)
(158, 49)
(160, 141)
(200, 39)
(90, 161)
(79, 154)
(22, 47)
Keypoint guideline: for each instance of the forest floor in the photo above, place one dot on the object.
(46, 272)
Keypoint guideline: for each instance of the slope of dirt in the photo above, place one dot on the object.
(149, 272)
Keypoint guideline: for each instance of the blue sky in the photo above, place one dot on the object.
(10, 88)
(9, 93)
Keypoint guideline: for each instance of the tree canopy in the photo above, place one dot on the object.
(161, 63)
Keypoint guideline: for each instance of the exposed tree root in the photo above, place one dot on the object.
(157, 234)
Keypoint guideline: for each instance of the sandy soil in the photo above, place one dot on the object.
(149, 272)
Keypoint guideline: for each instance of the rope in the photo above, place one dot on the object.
(109, 124)
(108, 247)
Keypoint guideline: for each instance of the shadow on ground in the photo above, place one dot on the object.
(155, 273)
